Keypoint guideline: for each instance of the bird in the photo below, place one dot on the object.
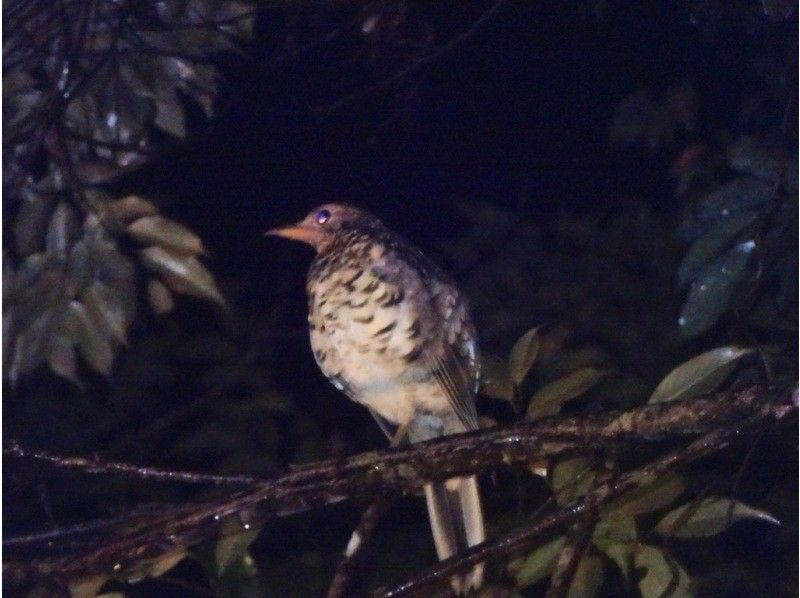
(390, 330)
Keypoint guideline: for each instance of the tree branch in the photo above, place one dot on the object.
(405, 470)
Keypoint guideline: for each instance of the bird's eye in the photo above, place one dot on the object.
(323, 216)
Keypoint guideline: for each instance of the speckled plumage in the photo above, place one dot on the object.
(390, 330)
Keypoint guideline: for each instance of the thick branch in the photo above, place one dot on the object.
(402, 470)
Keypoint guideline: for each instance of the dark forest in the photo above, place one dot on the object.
(611, 185)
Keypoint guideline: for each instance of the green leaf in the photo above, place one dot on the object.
(712, 516)
(588, 577)
(182, 273)
(572, 478)
(170, 116)
(663, 573)
(621, 553)
(617, 529)
(157, 230)
(29, 348)
(523, 354)
(549, 399)
(495, 380)
(646, 499)
(709, 295)
(709, 245)
(538, 564)
(699, 375)
(231, 549)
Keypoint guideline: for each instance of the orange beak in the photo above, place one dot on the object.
(298, 232)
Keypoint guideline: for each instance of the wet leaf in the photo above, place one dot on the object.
(538, 565)
(663, 573)
(646, 499)
(157, 230)
(710, 294)
(107, 310)
(182, 273)
(710, 244)
(712, 516)
(699, 375)
(93, 343)
(523, 354)
(62, 229)
(549, 399)
(735, 197)
(159, 297)
(130, 208)
(233, 548)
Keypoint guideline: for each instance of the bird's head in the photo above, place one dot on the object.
(325, 224)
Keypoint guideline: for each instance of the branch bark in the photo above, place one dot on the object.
(148, 535)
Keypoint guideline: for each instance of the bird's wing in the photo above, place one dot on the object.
(454, 361)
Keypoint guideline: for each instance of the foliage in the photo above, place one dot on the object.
(86, 89)
(656, 264)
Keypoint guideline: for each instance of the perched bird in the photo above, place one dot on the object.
(390, 330)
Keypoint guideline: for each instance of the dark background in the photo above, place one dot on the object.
(496, 158)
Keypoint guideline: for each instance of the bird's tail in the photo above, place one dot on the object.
(454, 508)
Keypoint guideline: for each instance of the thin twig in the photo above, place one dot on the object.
(353, 554)
(577, 541)
(415, 66)
(538, 530)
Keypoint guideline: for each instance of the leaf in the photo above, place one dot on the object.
(495, 380)
(647, 498)
(30, 223)
(663, 573)
(182, 273)
(699, 375)
(92, 341)
(159, 297)
(709, 245)
(710, 293)
(62, 229)
(170, 116)
(60, 351)
(622, 555)
(588, 577)
(572, 478)
(157, 230)
(87, 587)
(615, 529)
(233, 548)
(764, 159)
(28, 348)
(130, 207)
(712, 516)
(523, 354)
(107, 310)
(538, 564)
(737, 196)
(549, 399)
(156, 567)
